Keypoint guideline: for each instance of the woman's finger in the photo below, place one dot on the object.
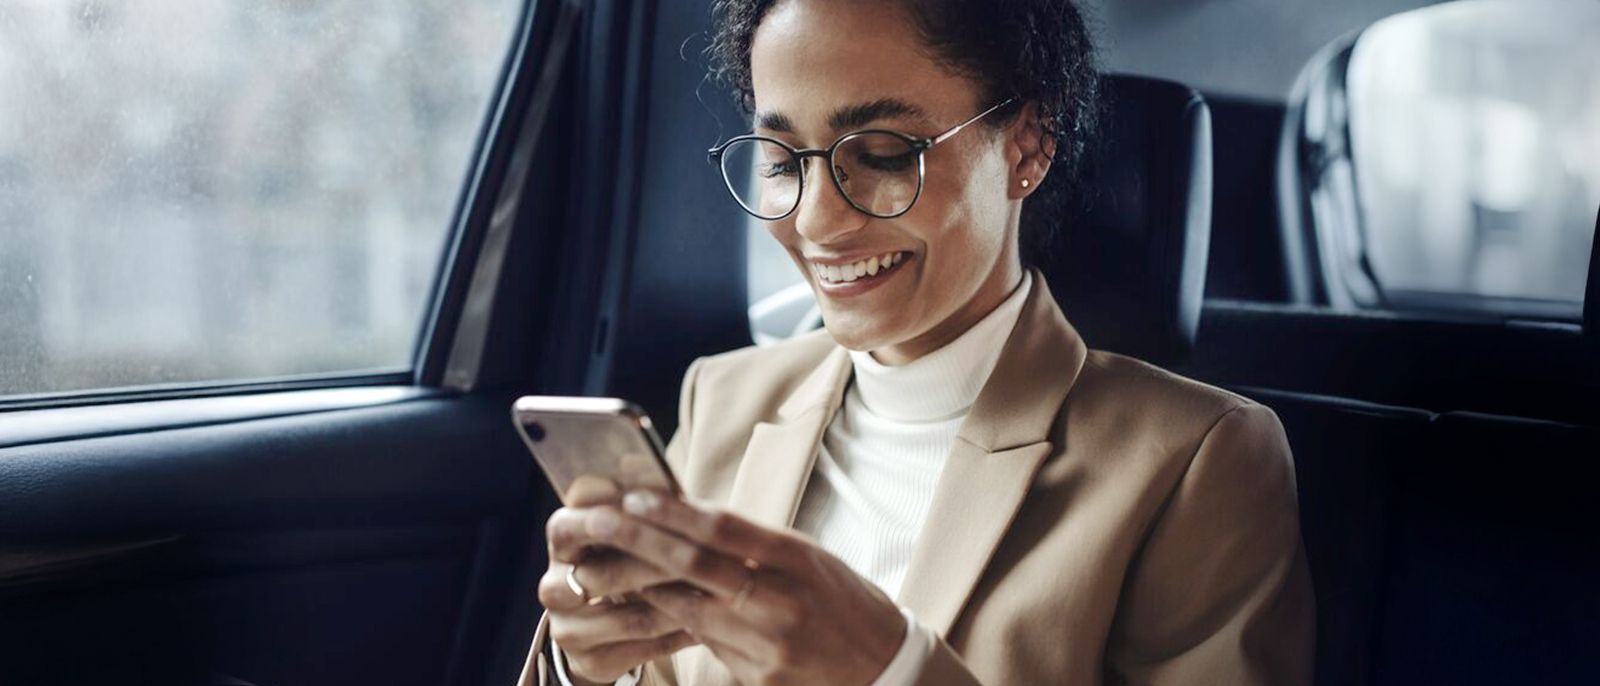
(566, 534)
(708, 619)
(725, 532)
(611, 573)
(679, 558)
(610, 623)
(608, 663)
(588, 490)
(554, 592)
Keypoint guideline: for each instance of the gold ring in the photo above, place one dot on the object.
(577, 588)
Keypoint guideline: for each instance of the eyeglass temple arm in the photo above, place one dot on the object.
(958, 127)
(716, 152)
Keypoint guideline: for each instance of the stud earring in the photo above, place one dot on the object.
(1026, 183)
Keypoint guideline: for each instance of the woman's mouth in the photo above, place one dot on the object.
(858, 276)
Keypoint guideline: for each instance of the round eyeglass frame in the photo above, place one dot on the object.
(918, 144)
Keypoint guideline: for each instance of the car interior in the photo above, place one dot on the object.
(382, 524)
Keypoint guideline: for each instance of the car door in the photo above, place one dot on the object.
(270, 276)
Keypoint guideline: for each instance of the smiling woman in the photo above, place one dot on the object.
(947, 486)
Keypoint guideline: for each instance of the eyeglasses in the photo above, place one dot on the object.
(878, 171)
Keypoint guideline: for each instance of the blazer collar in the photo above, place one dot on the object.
(998, 448)
(779, 457)
(997, 451)
(822, 389)
(1038, 365)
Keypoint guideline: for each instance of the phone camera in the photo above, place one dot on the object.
(535, 431)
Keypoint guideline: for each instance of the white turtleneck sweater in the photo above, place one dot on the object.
(881, 457)
(880, 460)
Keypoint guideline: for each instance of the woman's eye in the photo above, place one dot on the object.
(770, 170)
(887, 163)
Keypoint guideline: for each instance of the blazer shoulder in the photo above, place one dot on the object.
(1186, 408)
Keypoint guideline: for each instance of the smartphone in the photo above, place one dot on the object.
(609, 438)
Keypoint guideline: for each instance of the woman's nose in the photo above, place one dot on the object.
(824, 215)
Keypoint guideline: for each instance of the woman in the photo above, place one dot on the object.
(947, 486)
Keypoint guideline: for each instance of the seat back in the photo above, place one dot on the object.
(1130, 269)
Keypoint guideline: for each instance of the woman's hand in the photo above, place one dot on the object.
(607, 631)
(771, 605)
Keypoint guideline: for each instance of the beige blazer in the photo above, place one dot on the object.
(1099, 520)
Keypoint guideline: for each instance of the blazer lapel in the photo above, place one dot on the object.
(997, 451)
(780, 455)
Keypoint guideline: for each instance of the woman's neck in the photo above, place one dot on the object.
(1000, 284)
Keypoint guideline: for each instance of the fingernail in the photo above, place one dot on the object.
(640, 503)
(603, 524)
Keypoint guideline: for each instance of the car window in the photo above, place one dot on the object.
(781, 302)
(1241, 48)
(1475, 137)
(198, 191)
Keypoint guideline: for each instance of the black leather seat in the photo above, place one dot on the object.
(1489, 567)
(1490, 557)
(1130, 269)
(1446, 546)
(1346, 453)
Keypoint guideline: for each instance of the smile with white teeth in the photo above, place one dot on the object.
(845, 273)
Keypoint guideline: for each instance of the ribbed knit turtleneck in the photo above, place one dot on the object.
(941, 384)
(881, 456)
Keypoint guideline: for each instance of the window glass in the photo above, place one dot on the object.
(1475, 134)
(195, 191)
(781, 302)
(1250, 48)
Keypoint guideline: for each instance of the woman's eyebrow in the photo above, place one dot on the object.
(774, 121)
(848, 117)
(865, 113)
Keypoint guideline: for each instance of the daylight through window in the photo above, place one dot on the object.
(194, 191)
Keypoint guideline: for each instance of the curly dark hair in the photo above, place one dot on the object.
(1036, 50)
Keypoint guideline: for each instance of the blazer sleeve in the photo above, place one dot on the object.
(945, 668)
(1220, 592)
(537, 671)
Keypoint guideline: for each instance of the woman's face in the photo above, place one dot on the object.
(823, 68)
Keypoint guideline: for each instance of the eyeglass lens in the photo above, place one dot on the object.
(878, 173)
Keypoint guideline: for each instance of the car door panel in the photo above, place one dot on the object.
(333, 547)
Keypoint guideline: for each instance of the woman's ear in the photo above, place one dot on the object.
(1034, 147)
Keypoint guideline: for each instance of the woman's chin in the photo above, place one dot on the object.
(858, 331)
